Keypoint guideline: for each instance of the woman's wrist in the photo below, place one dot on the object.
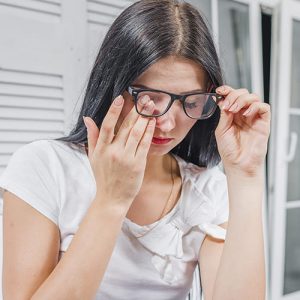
(119, 207)
(247, 175)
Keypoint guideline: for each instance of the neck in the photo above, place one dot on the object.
(159, 167)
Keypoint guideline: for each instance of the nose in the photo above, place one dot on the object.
(166, 122)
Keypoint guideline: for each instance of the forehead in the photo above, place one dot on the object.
(174, 74)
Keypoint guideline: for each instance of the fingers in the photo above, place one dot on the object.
(224, 90)
(236, 100)
(239, 100)
(108, 125)
(92, 134)
(133, 126)
(258, 108)
(231, 96)
(138, 130)
(226, 117)
(243, 101)
(129, 122)
(146, 140)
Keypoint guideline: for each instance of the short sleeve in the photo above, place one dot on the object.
(29, 175)
(220, 198)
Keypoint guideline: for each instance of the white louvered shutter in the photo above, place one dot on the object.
(47, 48)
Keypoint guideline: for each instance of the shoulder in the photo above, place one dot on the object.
(32, 153)
(32, 175)
(33, 157)
(37, 147)
(48, 149)
(48, 156)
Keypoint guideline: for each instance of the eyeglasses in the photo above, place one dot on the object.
(195, 105)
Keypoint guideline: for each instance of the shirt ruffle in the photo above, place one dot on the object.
(165, 237)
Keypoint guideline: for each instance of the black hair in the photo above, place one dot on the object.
(145, 32)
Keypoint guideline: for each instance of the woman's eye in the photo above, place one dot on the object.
(191, 104)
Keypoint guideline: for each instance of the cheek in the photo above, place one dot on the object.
(191, 123)
(185, 124)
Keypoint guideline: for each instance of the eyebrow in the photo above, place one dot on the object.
(147, 87)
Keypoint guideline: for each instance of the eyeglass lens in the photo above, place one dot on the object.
(196, 106)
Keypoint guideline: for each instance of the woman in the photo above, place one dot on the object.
(129, 210)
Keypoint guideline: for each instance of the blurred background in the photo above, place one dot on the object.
(47, 48)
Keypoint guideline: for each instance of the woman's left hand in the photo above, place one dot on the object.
(242, 137)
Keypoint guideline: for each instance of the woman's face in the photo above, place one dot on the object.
(174, 75)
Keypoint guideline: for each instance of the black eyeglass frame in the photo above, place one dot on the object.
(134, 92)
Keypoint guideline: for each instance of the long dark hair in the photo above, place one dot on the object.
(145, 32)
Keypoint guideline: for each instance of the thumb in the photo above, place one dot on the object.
(92, 134)
(226, 118)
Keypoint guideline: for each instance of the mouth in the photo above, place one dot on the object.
(161, 141)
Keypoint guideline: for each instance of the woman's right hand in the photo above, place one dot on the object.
(119, 161)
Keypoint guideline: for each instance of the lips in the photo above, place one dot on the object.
(159, 141)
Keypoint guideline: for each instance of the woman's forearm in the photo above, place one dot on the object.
(80, 271)
(241, 273)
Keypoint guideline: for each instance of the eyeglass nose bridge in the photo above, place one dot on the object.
(174, 97)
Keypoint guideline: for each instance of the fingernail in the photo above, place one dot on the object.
(221, 89)
(83, 117)
(247, 112)
(152, 122)
(119, 100)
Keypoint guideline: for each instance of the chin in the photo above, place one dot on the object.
(158, 150)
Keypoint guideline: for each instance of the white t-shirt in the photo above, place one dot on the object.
(58, 181)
